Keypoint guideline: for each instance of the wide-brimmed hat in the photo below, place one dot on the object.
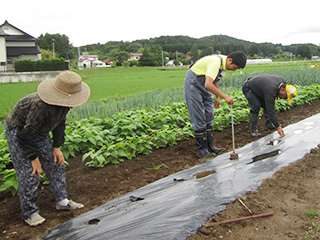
(291, 92)
(66, 90)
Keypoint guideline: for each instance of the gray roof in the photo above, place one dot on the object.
(20, 38)
(18, 51)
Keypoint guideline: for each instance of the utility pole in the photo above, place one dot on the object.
(53, 54)
(162, 59)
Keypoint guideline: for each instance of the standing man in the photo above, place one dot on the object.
(201, 81)
(262, 91)
(31, 148)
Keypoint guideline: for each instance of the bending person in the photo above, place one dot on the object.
(262, 91)
(31, 148)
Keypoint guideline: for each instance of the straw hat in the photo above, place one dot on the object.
(66, 90)
(291, 92)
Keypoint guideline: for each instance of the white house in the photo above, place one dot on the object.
(16, 45)
(89, 61)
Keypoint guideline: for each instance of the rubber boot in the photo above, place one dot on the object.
(211, 147)
(267, 121)
(202, 145)
(254, 117)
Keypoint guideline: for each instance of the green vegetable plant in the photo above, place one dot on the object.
(139, 131)
(4, 151)
(10, 181)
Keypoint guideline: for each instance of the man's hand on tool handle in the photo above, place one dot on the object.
(229, 100)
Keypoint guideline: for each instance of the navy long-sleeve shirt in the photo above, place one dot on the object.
(33, 120)
(266, 88)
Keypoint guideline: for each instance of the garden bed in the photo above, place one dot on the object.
(291, 192)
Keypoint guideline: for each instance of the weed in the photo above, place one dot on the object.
(158, 167)
(311, 213)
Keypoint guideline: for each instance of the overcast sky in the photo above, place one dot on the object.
(100, 21)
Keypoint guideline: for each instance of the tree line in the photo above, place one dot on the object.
(179, 48)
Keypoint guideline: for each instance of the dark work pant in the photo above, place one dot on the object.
(199, 102)
(28, 184)
(253, 101)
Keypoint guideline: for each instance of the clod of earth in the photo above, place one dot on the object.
(204, 174)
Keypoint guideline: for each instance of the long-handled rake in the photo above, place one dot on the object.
(233, 155)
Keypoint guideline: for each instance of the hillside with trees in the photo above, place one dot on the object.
(181, 48)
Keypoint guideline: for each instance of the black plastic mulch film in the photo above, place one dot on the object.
(176, 206)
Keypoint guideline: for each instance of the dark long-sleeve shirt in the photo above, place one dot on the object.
(266, 88)
(33, 120)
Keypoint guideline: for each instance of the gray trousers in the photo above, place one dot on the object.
(199, 102)
(28, 185)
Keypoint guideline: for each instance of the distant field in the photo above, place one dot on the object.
(117, 83)
(108, 82)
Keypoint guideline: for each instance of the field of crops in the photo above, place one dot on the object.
(136, 110)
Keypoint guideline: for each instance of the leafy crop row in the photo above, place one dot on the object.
(128, 133)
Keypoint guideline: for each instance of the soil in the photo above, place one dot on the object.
(288, 194)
